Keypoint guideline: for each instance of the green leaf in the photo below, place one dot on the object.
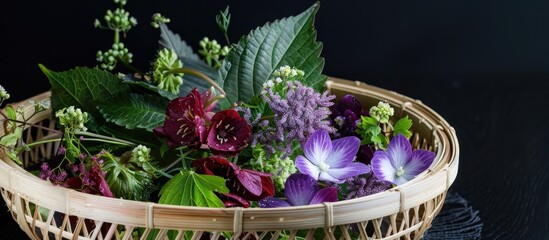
(84, 88)
(11, 114)
(402, 126)
(10, 140)
(135, 111)
(253, 60)
(171, 40)
(368, 121)
(192, 189)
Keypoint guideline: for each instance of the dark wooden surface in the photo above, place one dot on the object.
(483, 65)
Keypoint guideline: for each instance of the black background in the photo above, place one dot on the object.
(482, 65)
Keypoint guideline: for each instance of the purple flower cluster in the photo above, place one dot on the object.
(296, 116)
(46, 173)
(87, 179)
(364, 185)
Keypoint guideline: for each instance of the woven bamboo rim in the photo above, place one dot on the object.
(405, 212)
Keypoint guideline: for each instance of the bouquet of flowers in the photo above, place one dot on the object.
(247, 124)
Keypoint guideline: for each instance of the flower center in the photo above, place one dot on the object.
(400, 171)
(222, 134)
(323, 167)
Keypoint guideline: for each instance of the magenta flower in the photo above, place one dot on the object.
(229, 133)
(399, 164)
(299, 190)
(185, 124)
(329, 160)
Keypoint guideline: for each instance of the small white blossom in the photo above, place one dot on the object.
(72, 117)
(3, 93)
(382, 112)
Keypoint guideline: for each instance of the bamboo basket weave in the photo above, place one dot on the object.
(45, 211)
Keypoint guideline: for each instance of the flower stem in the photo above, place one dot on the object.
(30, 124)
(200, 75)
(42, 142)
(101, 138)
(116, 36)
(183, 155)
(266, 117)
(129, 66)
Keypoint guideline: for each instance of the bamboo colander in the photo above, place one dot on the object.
(45, 211)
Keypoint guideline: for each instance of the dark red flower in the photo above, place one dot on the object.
(243, 184)
(209, 101)
(229, 133)
(365, 153)
(184, 124)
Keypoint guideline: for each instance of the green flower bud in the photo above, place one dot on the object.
(110, 58)
(158, 19)
(167, 60)
(72, 118)
(382, 112)
(212, 51)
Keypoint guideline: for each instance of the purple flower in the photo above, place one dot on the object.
(345, 114)
(330, 160)
(399, 164)
(300, 190)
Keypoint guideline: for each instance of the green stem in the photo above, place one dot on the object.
(116, 36)
(266, 117)
(129, 66)
(167, 168)
(200, 75)
(30, 124)
(227, 38)
(43, 141)
(106, 139)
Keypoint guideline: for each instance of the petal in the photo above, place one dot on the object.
(318, 147)
(399, 151)
(402, 179)
(325, 176)
(328, 194)
(419, 161)
(350, 102)
(272, 202)
(233, 200)
(382, 167)
(299, 189)
(351, 170)
(250, 181)
(365, 154)
(343, 151)
(307, 167)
